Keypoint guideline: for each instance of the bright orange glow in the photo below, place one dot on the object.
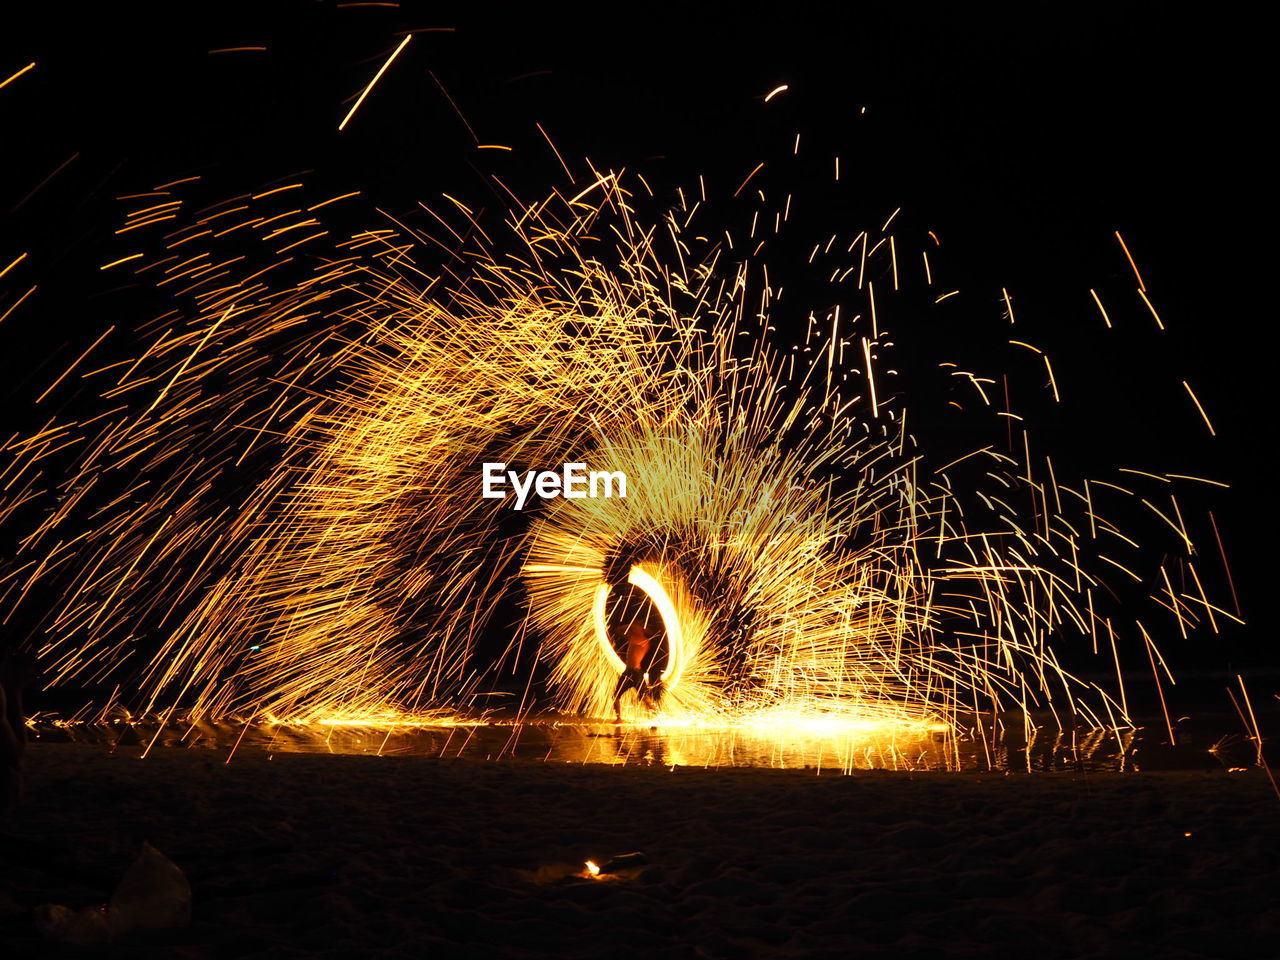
(817, 569)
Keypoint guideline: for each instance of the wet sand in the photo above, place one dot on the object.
(363, 856)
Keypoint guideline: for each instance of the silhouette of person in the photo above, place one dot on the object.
(633, 677)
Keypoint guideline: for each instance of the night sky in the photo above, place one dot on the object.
(1023, 138)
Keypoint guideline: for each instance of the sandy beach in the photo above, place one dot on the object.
(349, 856)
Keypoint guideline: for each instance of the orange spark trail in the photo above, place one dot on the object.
(29, 66)
(1203, 415)
(376, 77)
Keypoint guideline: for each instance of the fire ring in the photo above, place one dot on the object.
(654, 590)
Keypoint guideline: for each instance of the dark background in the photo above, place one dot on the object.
(1023, 137)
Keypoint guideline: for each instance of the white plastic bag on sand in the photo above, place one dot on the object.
(153, 894)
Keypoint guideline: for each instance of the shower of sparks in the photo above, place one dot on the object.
(274, 512)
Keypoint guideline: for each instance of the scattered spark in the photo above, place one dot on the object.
(274, 190)
(1212, 483)
(417, 30)
(1222, 552)
(116, 263)
(17, 303)
(1142, 287)
(29, 66)
(1203, 415)
(1142, 293)
(75, 364)
(1053, 383)
(453, 103)
(14, 263)
(743, 185)
(325, 203)
(45, 182)
(1256, 734)
(1101, 309)
(376, 77)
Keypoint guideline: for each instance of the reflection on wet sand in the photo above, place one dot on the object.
(1016, 747)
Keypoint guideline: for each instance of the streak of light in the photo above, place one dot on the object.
(376, 77)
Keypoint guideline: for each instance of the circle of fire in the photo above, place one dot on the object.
(652, 588)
